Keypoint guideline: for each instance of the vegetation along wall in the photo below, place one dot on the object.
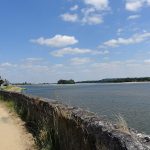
(56, 126)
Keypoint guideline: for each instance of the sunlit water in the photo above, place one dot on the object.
(132, 100)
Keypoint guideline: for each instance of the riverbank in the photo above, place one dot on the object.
(58, 126)
(13, 134)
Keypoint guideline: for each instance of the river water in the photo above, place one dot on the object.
(131, 100)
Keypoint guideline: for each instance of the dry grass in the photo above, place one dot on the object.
(121, 124)
(63, 112)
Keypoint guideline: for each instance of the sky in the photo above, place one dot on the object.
(48, 40)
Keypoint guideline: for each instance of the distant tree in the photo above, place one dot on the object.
(66, 81)
(6, 82)
(1, 82)
(118, 80)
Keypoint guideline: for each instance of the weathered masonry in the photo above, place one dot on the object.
(56, 126)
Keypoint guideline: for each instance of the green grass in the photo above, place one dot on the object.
(12, 88)
(9, 104)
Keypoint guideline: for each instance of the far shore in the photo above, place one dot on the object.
(55, 84)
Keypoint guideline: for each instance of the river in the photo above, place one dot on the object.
(131, 100)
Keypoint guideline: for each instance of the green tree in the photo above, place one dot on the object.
(66, 81)
(1, 82)
(6, 82)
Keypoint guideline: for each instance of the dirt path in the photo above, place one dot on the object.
(13, 135)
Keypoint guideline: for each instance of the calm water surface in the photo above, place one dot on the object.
(132, 100)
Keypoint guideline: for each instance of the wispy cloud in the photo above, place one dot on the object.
(92, 19)
(7, 65)
(137, 38)
(80, 61)
(33, 59)
(69, 17)
(56, 41)
(69, 50)
(132, 17)
(75, 7)
(76, 51)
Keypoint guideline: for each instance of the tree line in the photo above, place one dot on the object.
(118, 80)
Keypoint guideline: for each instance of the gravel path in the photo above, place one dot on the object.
(13, 135)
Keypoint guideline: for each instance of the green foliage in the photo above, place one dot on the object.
(1, 82)
(4, 82)
(66, 81)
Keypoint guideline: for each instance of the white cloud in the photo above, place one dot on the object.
(69, 50)
(56, 41)
(75, 51)
(133, 17)
(7, 64)
(80, 61)
(88, 18)
(92, 13)
(75, 7)
(98, 4)
(137, 38)
(148, 2)
(69, 17)
(92, 20)
(135, 5)
(91, 16)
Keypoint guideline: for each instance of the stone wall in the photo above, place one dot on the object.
(56, 126)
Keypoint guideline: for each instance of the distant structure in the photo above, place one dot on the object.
(66, 81)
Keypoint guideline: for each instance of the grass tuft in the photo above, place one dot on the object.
(121, 124)
(9, 104)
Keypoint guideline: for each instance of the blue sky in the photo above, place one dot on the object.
(44, 41)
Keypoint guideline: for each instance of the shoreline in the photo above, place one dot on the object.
(147, 82)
